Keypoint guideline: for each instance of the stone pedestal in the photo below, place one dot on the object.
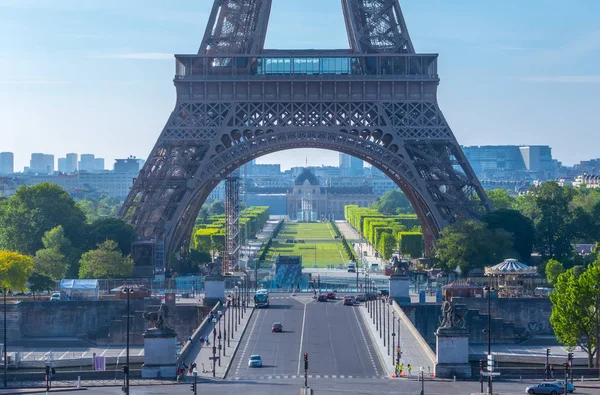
(214, 290)
(452, 352)
(399, 285)
(160, 354)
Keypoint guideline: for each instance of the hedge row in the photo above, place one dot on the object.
(347, 247)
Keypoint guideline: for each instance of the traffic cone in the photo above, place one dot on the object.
(393, 375)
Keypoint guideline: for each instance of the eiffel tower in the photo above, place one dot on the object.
(237, 101)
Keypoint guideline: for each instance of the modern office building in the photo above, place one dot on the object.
(350, 165)
(99, 164)
(7, 163)
(71, 163)
(87, 163)
(112, 184)
(491, 158)
(41, 163)
(130, 165)
(62, 165)
(537, 157)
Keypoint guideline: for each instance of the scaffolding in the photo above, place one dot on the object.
(232, 224)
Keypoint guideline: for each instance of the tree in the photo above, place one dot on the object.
(32, 211)
(15, 269)
(113, 229)
(51, 259)
(553, 269)
(470, 244)
(39, 282)
(575, 313)
(516, 223)
(393, 202)
(386, 245)
(217, 208)
(105, 262)
(501, 200)
(203, 215)
(552, 226)
(411, 244)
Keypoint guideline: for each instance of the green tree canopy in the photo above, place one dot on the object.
(217, 208)
(105, 262)
(575, 312)
(15, 269)
(552, 226)
(32, 211)
(501, 200)
(39, 283)
(516, 223)
(387, 243)
(393, 202)
(113, 229)
(553, 269)
(470, 244)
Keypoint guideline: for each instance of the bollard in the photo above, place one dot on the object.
(455, 379)
(520, 379)
(78, 382)
(582, 379)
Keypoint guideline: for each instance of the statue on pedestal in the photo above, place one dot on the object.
(450, 318)
(400, 267)
(158, 318)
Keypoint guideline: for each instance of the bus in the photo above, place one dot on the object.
(261, 300)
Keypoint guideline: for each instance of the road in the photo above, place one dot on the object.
(332, 335)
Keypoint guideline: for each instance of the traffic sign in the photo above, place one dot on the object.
(213, 358)
(481, 372)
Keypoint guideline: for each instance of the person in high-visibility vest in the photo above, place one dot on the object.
(409, 369)
(401, 368)
(397, 370)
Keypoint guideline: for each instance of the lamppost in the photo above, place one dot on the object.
(374, 300)
(4, 290)
(229, 324)
(236, 317)
(388, 324)
(393, 334)
(220, 316)
(422, 381)
(214, 348)
(489, 335)
(596, 288)
(128, 291)
(382, 325)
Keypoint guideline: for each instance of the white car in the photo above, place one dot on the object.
(255, 361)
(55, 297)
(262, 291)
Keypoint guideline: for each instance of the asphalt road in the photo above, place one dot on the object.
(332, 335)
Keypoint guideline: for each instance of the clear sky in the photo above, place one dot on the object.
(95, 76)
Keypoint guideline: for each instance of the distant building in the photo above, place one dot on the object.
(87, 163)
(71, 163)
(62, 165)
(218, 193)
(130, 165)
(99, 164)
(537, 157)
(309, 201)
(350, 165)
(41, 163)
(112, 184)
(7, 163)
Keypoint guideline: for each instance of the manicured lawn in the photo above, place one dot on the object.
(326, 254)
(307, 231)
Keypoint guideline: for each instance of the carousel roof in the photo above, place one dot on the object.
(510, 266)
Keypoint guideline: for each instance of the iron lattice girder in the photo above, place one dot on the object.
(231, 109)
(232, 224)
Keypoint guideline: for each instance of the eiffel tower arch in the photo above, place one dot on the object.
(237, 101)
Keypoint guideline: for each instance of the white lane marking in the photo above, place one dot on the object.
(122, 352)
(104, 352)
(27, 355)
(64, 355)
(301, 340)
(359, 321)
(247, 343)
(141, 352)
(341, 376)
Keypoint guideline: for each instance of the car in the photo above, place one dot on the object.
(255, 361)
(352, 268)
(570, 386)
(262, 291)
(322, 298)
(277, 327)
(361, 298)
(545, 388)
(348, 301)
(331, 295)
(384, 292)
(55, 297)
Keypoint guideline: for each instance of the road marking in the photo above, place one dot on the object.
(359, 321)
(341, 376)
(247, 343)
(64, 355)
(122, 352)
(301, 339)
(104, 352)
(141, 352)
(28, 354)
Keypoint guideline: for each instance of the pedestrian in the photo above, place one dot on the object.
(401, 368)
(552, 371)
(190, 339)
(409, 370)
(546, 371)
(397, 371)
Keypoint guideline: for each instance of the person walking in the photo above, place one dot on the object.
(552, 371)
(401, 368)
(397, 371)
(409, 370)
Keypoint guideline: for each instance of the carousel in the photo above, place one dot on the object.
(511, 277)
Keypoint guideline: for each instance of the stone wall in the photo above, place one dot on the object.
(95, 322)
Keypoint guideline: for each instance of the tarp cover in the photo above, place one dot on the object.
(79, 284)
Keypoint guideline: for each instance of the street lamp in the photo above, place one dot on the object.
(127, 291)
(214, 348)
(393, 335)
(596, 287)
(220, 316)
(489, 334)
(382, 324)
(374, 313)
(4, 290)
(235, 303)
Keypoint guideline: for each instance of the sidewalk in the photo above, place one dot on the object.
(411, 351)
(229, 346)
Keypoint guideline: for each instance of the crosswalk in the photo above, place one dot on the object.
(310, 376)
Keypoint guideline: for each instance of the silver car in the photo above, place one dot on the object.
(545, 388)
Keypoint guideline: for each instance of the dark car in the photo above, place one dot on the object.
(384, 292)
(322, 298)
(545, 388)
(277, 327)
(331, 295)
(361, 298)
(348, 301)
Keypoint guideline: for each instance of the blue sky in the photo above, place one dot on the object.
(93, 76)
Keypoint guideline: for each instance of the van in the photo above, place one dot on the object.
(352, 268)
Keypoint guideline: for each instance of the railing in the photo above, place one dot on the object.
(408, 66)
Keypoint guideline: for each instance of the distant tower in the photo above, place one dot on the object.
(7, 163)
